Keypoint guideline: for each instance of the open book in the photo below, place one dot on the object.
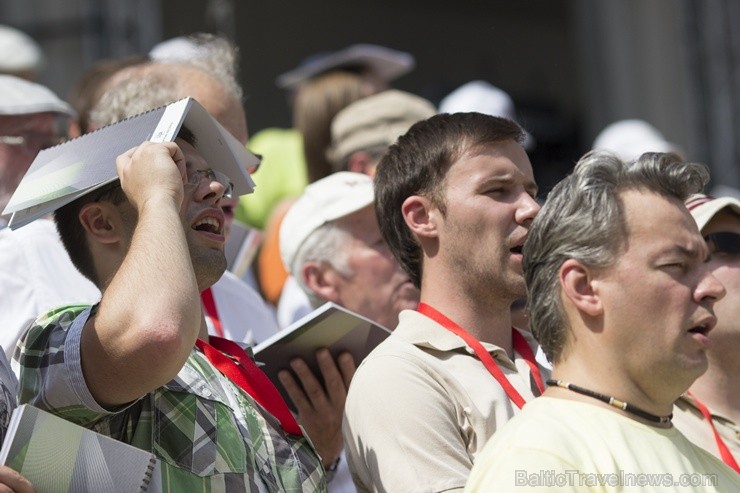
(58, 456)
(70, 170)
(329, 326)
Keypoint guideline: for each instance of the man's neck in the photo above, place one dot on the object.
(719, 388)
(608, 382)
(484, 321)
(203, 333)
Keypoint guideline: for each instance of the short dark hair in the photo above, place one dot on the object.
(417, 164)
(73, 234)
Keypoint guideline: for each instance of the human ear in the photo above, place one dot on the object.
(579, 287)
(321, 278)
(420, 216)
(101, 221)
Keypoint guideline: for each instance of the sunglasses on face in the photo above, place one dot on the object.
(723, 242)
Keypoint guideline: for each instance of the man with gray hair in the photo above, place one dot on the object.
(621, 300)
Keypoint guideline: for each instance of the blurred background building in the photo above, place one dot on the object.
(571, 66)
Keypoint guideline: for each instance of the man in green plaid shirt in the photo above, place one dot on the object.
(127, 367)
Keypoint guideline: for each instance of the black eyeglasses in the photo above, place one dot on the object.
(723, 242)
(32, 141)
(196, 177)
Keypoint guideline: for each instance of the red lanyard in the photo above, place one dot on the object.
(231, 360)
(210, 305)
(520, 346)
(724, 452)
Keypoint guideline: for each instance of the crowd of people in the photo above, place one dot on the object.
(119, 313)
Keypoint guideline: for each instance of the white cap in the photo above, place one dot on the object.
(180, 48)
(481, 97)
(21, 97)
(18, 51)
(629, 139)
(326, 200)
(704, 207)
(386, 63)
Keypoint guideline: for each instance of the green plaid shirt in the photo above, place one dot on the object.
(209, 434)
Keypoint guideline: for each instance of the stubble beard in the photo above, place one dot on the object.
(208, 266)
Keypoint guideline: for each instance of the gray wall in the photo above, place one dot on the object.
(572, 66)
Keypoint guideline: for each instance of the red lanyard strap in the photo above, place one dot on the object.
(209, 303)
(724, 452)
(520, 345)
(244, 372)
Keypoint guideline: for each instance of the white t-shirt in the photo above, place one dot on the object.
(36, 275)
(245, 316)
(563, 445)
(293, 303)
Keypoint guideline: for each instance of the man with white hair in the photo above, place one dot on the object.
(331, 244)
(360, 134)
(709, 413)
(35, 271)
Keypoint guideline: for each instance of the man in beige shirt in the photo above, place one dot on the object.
(454, 200)
(717, 392)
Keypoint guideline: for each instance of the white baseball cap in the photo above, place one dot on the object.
(629, 139)
(704, 207)
(323, 201)
(482, 97)
(386, 63)
(21, 97)
(18, 51)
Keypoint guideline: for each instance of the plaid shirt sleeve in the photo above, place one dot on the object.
(209, 435)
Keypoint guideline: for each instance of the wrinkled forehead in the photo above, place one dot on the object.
(655, 222)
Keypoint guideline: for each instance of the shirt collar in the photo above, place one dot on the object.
(423, 332)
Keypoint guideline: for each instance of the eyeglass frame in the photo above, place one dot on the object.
(211, 174)
(24, 137)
